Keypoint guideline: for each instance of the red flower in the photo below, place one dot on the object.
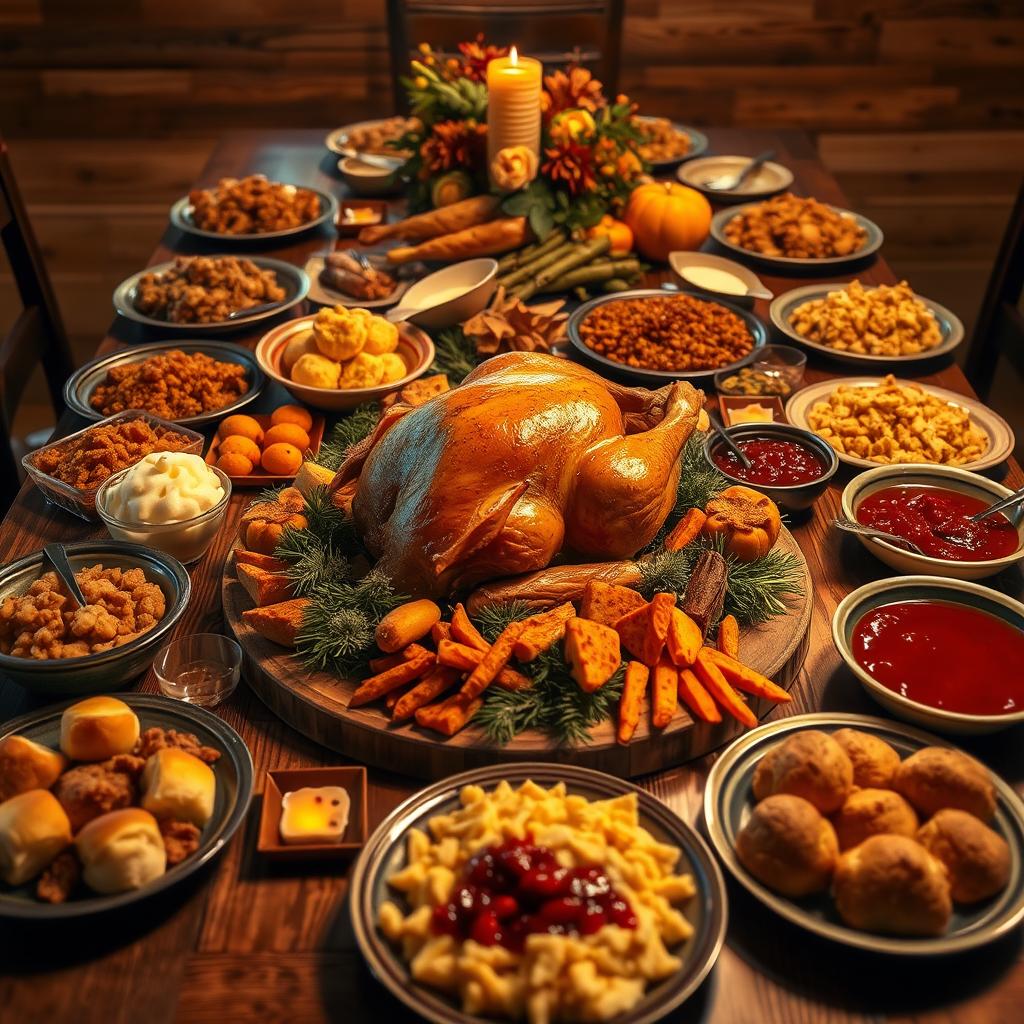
(571, 163)
(453, 144)
(476, 55)
(567, 91)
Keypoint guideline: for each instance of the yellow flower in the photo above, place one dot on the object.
(513, 167)
(572, 124)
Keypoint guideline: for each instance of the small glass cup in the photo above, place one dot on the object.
(782, 362)
(201, 669)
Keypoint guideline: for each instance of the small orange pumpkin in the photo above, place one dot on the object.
(747, 521)
(666, 216)
(619, 233)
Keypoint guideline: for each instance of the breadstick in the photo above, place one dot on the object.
(480, 240)
(442, 221)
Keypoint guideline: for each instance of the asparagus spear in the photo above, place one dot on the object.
(513, 260)
(580, 255)
(536, 265)
(594, 273)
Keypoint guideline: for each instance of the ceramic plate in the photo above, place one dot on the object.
(337, 141)
(769, 180)
(181, 218)
(657, 378)
(698, 145)
(728, 801)
(81, 384)
(783, 307)
(321, 293)
(233, 771)
(872, 243)
(293, 280)
(1000, 436)
(385, 853)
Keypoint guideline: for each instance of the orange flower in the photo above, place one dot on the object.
(476, 55)
(564, 91)
(571, 163)
(453, 144)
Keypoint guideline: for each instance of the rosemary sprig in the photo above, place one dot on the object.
(757, 589)
(346, 432)
(317, 567)
(454, 355)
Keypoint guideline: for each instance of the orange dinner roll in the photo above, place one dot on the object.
(33, 830)
(25, 765)
(97, 728)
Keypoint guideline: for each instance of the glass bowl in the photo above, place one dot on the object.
(202, 669)
(769, 370)
(187, 540)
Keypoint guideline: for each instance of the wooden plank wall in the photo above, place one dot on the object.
(112, 107)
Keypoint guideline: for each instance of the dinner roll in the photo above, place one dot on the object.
(788, 845)
(25, 765)
(33, 830)
(938, 777)
(177, 785)
(872, 812)
(873, 760)
(976, 858)
(97, 728)
(121, 850)
(893, 885)
(809, 764)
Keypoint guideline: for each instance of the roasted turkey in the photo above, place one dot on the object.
(530, 459)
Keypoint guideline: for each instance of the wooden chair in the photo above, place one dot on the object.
(999, 331)
(588, 32)
(37, 335)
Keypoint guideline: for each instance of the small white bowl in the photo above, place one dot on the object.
(681, 260)
(366, 180)
(951, 478)
(910, 588)
(469, 284)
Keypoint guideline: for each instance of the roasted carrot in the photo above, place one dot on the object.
(450, 715)
(684, 639)
(643, 631)
(393, 698)
(432, 685)
(465, 632)
(455, 655)
(696, 698)
(378, 665)
(633, 688)
(686, 530)
(492, 662)
(377, 686)
(729, 637)
(747, 679)
(710, 675)
(664, 694)
(542, 630)
(440, 631)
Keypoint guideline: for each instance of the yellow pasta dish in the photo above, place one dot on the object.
(533, 903)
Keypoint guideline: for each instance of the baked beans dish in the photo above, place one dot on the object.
(252, 206)
(205, 289)
(796, 228)
(671, 332)
(174, 386)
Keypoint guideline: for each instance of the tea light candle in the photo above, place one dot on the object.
(314, 815)
(513, 103)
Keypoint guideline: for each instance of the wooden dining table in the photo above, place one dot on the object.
(247, 939)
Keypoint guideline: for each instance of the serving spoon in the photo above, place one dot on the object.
(999, 506)
(728, 182)
(869, 531)
(57, 556)
(382, 163)
(722, 433)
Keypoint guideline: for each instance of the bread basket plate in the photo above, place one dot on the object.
(872, 243)
(728, 802)
(181, 218)
(385, 853)
(698, 145)
(1000, 436)
(289, 277)
(81, 384)
(784, 306)
(233, 772)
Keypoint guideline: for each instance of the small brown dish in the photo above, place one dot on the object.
(732, 407)
(259, 477)
(349, 228)
(287, 780)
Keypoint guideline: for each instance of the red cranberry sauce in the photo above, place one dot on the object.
(773, 462)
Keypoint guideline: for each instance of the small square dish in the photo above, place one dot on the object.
(278, 782)
(259, 477)
(356, 214)
(737, 409)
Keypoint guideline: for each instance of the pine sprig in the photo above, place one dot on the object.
(349, 431)
(757, 589)
(454, 355)
(317, 567)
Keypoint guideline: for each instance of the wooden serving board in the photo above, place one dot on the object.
(314, 703)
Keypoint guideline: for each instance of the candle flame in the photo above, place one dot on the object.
(513, 57)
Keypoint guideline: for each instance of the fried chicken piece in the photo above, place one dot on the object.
(181, 839)
(57, 881)
(155, 738)
(89, 790)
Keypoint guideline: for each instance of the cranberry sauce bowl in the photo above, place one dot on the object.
(791, 465)
(931, 506)
(940, 653)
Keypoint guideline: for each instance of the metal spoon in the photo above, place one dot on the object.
(251, 310)
(999, 506)
(869, 531)
(729, 182)
(58, 559)
(720, 430)
(383, 163)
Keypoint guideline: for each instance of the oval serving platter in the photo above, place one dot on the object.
(698, 146)
(324, 295)
(385, 853)
(728, 801)
(871, 245)
(1000, 436)
(658, 378)
(292, 279)
(233, 771)
(84, 380)
(181, 218)
(783, 306)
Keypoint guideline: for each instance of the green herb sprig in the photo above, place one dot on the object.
(349, 431)
(454, 355)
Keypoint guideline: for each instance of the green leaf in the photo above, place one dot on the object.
(518, 204)
(541, 221)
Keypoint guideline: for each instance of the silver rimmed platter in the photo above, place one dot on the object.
(784, 306)
(657, 378)
(872, 243)
(181, 218)
(1000, 436)
(698, 145)
(728, 802)
(233, 771)
(292, 279)
(81, 384)
(327, 296)
(385, 853)
(769, 180)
